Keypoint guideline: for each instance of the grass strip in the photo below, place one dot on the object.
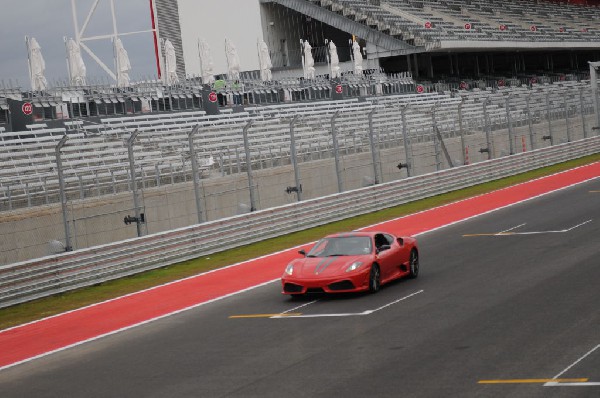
(56, 304)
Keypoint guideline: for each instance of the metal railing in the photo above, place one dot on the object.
(25, 281)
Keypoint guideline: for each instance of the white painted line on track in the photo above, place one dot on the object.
(367, 312)
(577, 384)
(298, 307)
(565, 370)
(561, 231)
(512, 229)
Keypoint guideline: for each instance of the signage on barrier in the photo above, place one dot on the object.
(27, 108)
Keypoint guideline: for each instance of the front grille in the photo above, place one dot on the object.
(292, 288)
(343, 285)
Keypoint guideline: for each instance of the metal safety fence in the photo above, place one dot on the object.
(28, 280)
(135, 176)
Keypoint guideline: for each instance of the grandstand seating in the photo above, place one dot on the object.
(439, 23)
(95, 158)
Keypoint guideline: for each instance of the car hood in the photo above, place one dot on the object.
(317, 267)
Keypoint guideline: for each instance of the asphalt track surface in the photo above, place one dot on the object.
(506, 305)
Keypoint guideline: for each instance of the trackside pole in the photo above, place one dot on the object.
(594, 83)
(294, 160)
(407, 147)
(336, 153)
(63, 196)
(488, 127)
(530, 122)
(462, 131)
(136, 205)
(582, 108)
(195, 173)
(549, 117)
(373, 149)
(510, 125)
(249, 165)
(567, 117)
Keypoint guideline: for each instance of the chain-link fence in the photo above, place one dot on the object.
(264, 157)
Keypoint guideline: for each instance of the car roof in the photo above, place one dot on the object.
(354, 234)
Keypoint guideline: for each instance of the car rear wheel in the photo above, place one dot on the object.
(374, 279)
(414, 264)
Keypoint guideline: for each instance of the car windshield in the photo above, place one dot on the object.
(341, 246)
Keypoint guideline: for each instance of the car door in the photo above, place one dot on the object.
(402, 253)
(386, 258)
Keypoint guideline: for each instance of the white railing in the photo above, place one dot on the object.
(25, 281)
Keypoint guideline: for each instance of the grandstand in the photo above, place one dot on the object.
(455, 37)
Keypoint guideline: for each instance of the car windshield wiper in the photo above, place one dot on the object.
(311, 255)
(336, 255)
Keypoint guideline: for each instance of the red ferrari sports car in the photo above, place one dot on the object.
(352, 262)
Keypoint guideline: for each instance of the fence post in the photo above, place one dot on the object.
(407, 149)
(336, 153)
(582, 106)
(436, 141)
(136, 206)
(63, 196)
(249, 164)
(567, 116)
(293, 159)
(373, 149)
(594, 84)
(461, 130)
(549, 117)
(530, 122)
(509, 123)
(195, 173)
(488, 128)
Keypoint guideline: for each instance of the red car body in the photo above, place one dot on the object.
(352, 262)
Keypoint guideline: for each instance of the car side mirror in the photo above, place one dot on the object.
(383, 248)
(400, 241)
(302, 252)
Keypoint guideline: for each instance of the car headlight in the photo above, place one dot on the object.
(289, 270)
(354, 266)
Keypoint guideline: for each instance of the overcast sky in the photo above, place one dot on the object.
(51, 20)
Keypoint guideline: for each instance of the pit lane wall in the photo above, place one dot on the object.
(28, 280)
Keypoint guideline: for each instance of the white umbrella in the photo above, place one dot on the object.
(206, 62)
(77, 69)
(123, 64)
(309, 62)
(170, 64)
(358, 58)
(233, 60)
(264, 60)
(37, 65)
(335, 61)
